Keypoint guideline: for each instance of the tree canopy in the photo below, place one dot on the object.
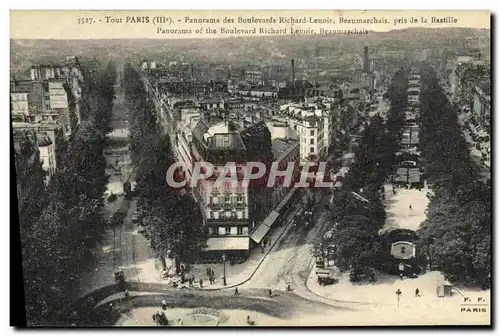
(173, 216)
(357, 223)
(457, 233)
(58, 242)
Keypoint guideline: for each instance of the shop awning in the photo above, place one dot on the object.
(285, 200)
(260, 232)
(271, 218)
(264, 227)
(228, 244)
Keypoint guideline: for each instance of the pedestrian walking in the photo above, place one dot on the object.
(270, 293)
(201, 283)
(409, 206)
(417, 292)
(163, 304)
(236, 291)
(190, 282)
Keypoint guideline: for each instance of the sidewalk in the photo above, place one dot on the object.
(399, 213)
(383, 291)
(236, 274)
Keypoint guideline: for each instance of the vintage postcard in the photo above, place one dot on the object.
(252, 168)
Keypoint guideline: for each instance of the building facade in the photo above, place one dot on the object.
(231, 212)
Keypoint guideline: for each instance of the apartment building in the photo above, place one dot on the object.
(27, 157)
(481, 105)
(314, 125)
(231, 212)
(44, 100)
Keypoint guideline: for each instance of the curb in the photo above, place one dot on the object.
(366, 303)
(287, 227)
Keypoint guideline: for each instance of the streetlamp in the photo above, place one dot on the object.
(224, 265)
(398, 294)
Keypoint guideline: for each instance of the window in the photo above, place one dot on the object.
(228, 214)
(311, 150)
(403, 250)
(209, 213)
(239, 214)
(312, 132)
(228, 230)
(239, 199)
(216, 214)
(227, 200)
(311, 142)
(215, 200)
(239, 231)
(213, 231)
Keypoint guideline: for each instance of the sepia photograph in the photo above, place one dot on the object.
(292, 168)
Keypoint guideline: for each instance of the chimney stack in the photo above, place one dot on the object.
(293, 71)
(366, 64)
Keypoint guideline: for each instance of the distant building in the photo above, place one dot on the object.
(254, 76)
(313, 125)
(481, 106)
(285, 151)
(211, 104)
(70, 68)
(27, 161)
(46, 138)
(328, 91)
(46, 100)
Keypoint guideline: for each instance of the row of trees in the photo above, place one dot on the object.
(173, 217)
(357, 222)
(457, 233)
(57, 242)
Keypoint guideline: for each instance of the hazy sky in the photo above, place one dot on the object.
(97, 24)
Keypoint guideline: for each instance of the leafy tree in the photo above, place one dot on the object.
(358, 223)
(68, 223)
(174, 217)
(177, 229)
(457, 232)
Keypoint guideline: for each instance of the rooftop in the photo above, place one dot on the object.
(281, 146)
(220, 135)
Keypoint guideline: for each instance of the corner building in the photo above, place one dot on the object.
(231, 213)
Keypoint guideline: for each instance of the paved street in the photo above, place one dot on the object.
(119, 243)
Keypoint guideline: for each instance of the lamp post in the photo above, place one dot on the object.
(224, 266)
(398, 294)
